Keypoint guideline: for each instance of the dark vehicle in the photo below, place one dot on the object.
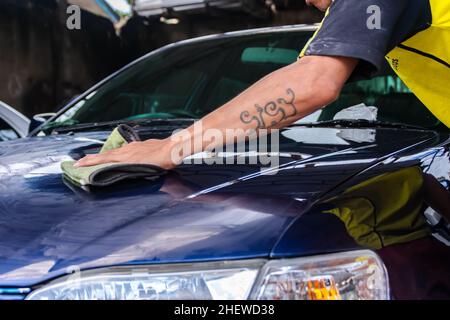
(13, 124)
(356, 206)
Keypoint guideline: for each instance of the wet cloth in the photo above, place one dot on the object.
(108, 173)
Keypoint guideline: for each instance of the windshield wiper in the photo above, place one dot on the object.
(112, 124)
(347, 123)
(360, 123)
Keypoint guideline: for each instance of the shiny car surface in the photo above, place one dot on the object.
(345, 191)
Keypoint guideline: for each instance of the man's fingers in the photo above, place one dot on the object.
(92, 160)
(115, 155)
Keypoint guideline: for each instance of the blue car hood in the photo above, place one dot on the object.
(196, 213)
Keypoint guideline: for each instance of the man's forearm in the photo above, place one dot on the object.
(275, 101)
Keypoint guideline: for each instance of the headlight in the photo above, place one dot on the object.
(353, 275)
(205, 281)
(357, 275)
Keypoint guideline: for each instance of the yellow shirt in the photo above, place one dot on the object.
(413, 35)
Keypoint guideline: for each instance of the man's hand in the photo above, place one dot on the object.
(155, 152)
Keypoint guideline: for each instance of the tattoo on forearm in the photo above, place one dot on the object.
(272, 113)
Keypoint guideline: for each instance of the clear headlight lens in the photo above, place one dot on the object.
(357, 275)
(225, 281)
(351, 275)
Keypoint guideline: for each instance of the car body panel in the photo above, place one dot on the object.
(48, 226)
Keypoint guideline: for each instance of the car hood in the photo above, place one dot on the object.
(198, 212)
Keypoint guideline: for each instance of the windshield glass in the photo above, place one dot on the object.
(193, 79)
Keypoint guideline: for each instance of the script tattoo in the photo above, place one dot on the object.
(272, 113)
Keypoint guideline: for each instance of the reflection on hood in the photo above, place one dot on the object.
(330, 136)
(384, 210)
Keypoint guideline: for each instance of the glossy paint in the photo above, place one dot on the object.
(201, 212)
(198, 212)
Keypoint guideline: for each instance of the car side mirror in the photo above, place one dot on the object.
(39, 119)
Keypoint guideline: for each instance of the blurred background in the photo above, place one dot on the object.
(43, 64)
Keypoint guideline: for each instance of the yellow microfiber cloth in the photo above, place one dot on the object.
(108, 173)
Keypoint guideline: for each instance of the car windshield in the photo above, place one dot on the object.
(190, 80)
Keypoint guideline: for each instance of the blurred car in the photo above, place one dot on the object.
(356, 208)
(13, 124)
